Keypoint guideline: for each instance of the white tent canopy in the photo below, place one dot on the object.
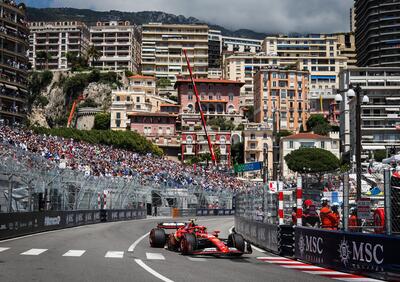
(393, 159)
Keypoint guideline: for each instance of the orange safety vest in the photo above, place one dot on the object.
(337, 220)
(328, 220)
(353, 224)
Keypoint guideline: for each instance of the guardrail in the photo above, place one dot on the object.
(201, 212)
(19, 224)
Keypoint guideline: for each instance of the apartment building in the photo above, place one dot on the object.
(377, 33)
(14, 62)
(219, 98)
(258, 147)
(119, 45)
(195, 144)
(318, 54)
(380, 117)
(214, 49)
(281, 98)
(57, 39)
(239, 44)
(139, 97)
(306, 140)
(162, 50)
(347, 47)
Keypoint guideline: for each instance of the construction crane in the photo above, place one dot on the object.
(71, 114)
(203, 120)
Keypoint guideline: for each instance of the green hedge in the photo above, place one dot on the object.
(127, 140)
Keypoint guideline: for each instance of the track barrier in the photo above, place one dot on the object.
(367, 254)
(19, 224)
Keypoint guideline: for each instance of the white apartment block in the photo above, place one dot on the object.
(119, 45)
(57, 39)
(307, 140)
(162, 50)
(317, 53)
(238, 44)
(380, 117)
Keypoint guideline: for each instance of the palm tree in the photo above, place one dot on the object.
(93, 53)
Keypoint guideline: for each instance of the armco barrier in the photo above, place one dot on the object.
(217, 212)
(368, 254)
(18, 224)
(263, 235)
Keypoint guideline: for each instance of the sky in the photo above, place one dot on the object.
(282, 16)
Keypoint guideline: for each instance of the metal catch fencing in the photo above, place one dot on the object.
(29, 182)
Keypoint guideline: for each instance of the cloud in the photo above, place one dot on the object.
(259, 15)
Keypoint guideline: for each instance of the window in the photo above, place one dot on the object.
(118, 98)
(190, 97)
(118, 115)
(253, 146)
(291, 146)
(322, 144)
(230, 97)
(138, 99)
(253, 136)
(265, 136)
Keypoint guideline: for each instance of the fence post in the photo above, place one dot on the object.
(280, 208)
(388, 215)
(346, 187)
(299, 201)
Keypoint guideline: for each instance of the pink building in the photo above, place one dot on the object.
(160, 128)
(219, 98)
(194, 143)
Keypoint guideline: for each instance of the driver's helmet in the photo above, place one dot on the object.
(192, 223)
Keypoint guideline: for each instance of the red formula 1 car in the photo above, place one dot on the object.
(192, 239)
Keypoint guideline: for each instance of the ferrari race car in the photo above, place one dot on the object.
(192, 239)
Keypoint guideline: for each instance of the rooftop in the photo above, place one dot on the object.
(305, 136)
(137, 76)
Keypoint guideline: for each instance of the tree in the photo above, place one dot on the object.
(379, 155)
(250, 113)
(237, 153)
(93, 54)
(163, 82)
(318, 124)
(102, 121)
(312, 160)
(221, 123)
(44, 56)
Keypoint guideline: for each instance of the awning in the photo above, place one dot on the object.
(392, 109)
(376, 80)
(392, 98)
(323, 77)
(376, 147)
(393, 80)
(394, 158)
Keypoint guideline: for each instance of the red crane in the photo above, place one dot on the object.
(71, 114)
(203, 120)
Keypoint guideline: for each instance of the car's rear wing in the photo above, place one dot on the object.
(170, 225)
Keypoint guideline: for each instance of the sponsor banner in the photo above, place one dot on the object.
(210, 212)
(18, 224)
(350, 251)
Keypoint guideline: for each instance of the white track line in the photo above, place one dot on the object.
(155, 256)
(152, 271)
(133, 246)
(196, 259)
(74, 253)
(33, 252)
(302, 266)
(361, 279)
(272, 258)
(286, 262)
(114, 254)
(3, 249)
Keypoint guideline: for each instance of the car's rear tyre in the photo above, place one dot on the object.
(157, 238)
(172, 243)
(236, 241)
(188, 244)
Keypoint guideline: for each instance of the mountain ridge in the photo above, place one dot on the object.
(91, 17)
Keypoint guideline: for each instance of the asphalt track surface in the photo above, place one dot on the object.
(99, 252)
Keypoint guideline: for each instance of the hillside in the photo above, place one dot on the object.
(139, 18)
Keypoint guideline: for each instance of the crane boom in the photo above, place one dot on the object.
(203, 120)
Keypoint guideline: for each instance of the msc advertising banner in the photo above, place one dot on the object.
(350, 251)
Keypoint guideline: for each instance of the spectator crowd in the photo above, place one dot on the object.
(105, 161)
